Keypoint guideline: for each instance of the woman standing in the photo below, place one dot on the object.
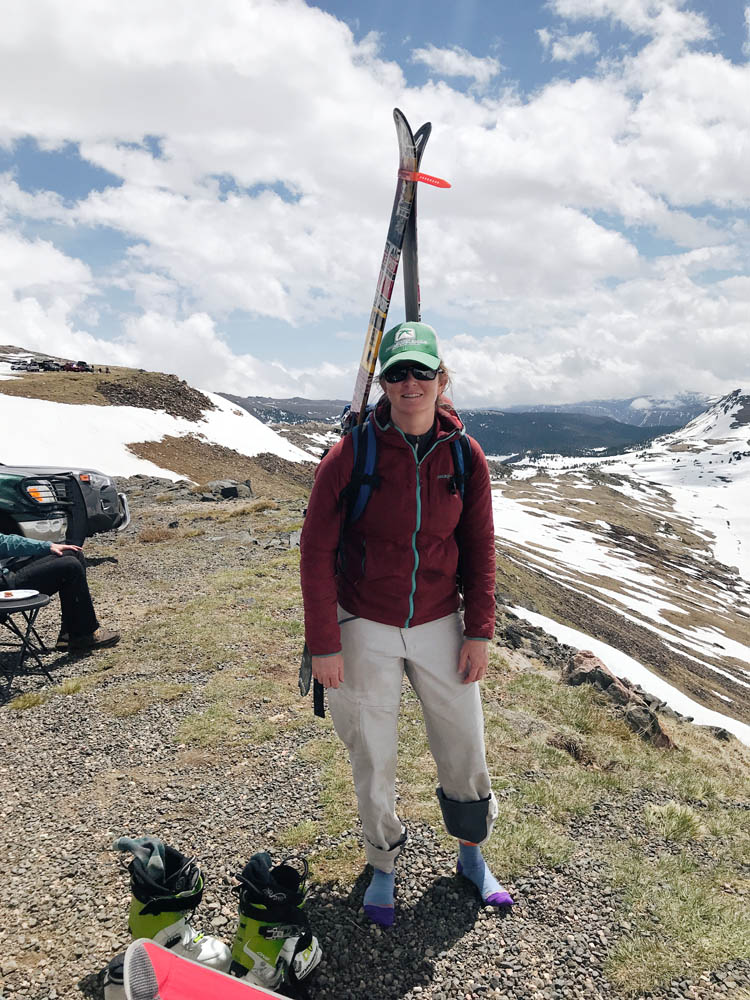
(381, 598)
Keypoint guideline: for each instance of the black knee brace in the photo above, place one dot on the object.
(465, 820)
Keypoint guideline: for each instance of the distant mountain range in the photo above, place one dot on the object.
(596, 427)
(294, 410)
(641, 411)
(501, 433)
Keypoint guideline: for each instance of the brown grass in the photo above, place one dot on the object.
(92, 387)
(155, 535)
(200, 461)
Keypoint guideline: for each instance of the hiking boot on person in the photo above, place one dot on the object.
(99, 639)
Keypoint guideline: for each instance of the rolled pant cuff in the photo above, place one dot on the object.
(381, 858)
(472, 821)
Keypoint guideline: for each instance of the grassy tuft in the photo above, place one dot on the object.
(301, 835)
(155, 535)
(674, 821)
(341, 864)
(262, 505)
(217, 724)
(71, 685)
(28, 700)
(522, 841)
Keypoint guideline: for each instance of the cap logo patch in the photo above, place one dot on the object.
(404, 335)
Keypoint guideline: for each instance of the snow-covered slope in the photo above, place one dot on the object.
(706, 467)
(40, 432)
(649, 551)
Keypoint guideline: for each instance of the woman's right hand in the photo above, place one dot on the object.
(329, 670)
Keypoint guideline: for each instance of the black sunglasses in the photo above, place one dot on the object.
(420, 374)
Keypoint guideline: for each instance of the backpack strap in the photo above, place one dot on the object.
(364, 478)
(461, 451)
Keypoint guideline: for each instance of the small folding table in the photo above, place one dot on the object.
(18, 618)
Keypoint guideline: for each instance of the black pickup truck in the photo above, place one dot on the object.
(59, 504)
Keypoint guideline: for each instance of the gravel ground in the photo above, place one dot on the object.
(73, 777)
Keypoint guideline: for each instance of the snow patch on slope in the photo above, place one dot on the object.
(625, 666)
(47, 433)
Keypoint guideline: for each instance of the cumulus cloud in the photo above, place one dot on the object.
(565, 48)
(455, 61)
(643, 17)
(595, 239)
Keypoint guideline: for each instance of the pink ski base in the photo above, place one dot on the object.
(152, 972)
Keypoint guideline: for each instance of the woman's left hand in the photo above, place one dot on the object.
(60, 550)
(473, 660)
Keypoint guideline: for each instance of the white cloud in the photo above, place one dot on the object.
(566, 48)
(271, 186)
(456, 61)
(746, 43)
(643, 17)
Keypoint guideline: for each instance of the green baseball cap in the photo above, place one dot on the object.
(409, 342)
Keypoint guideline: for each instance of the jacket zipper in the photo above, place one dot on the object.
(419, 516)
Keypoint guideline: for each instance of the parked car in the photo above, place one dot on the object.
(33, 366)
(19, 366)
(59, 504)
(50, 366)
(77, 366)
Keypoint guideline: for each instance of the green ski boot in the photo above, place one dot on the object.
(273, 943)
(166, 887)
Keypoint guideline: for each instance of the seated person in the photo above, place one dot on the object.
(46, 567)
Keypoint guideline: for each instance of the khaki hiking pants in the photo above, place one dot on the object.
(365, 711)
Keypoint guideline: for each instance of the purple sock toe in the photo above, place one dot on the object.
(383, 915)
(492, 893)
(500, 899)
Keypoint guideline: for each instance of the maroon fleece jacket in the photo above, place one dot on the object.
(399, 560)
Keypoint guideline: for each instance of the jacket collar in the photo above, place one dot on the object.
(448, 421)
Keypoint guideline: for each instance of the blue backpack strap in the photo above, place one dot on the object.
(461, 450)
(363, 476)
(356, 493)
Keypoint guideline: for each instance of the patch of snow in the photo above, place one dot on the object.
(47, 433)
(722, 696)
(625, 666)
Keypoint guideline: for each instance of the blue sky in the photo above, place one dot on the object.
(209, 194)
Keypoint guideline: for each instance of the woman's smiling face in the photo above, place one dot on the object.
(413, 402)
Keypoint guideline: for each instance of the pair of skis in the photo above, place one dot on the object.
(401, 241)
